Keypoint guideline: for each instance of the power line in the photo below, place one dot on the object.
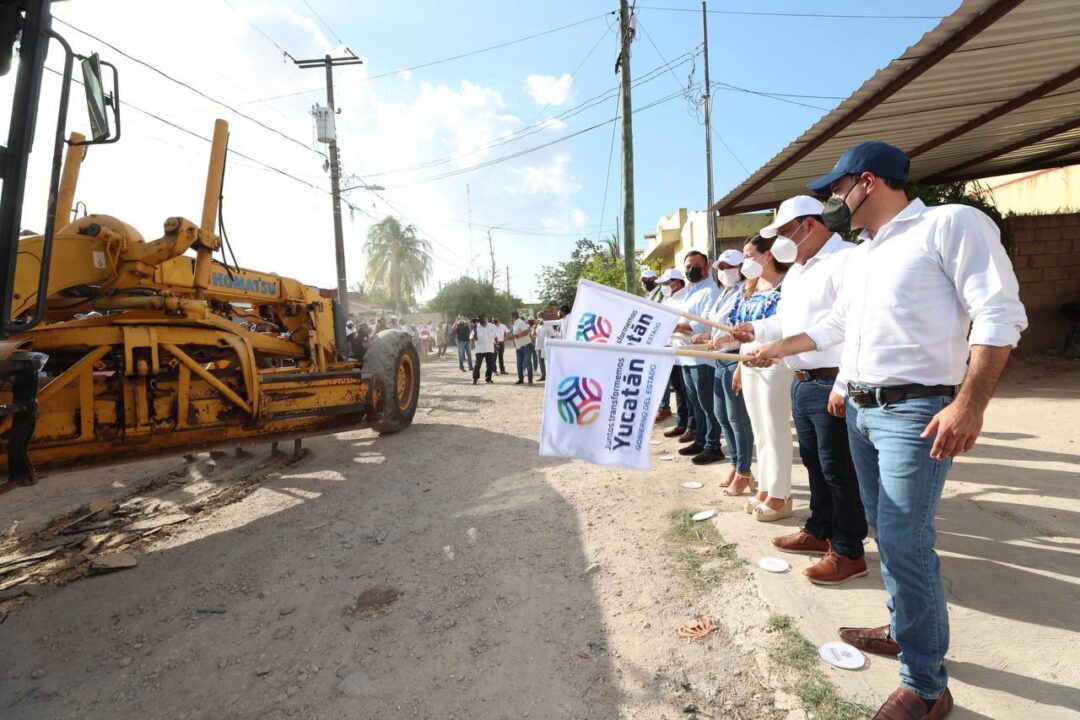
(539, 126)
(440, 61)
(259, 30)
(195, 90)
(324, 23)
(533, 149)
(607, 177)
(717, 85)
(831, 16)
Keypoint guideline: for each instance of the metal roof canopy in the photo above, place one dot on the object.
(994, 89)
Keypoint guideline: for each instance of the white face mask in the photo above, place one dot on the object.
(785, 249)
(752, 268)
(729, 277)
(665, 290)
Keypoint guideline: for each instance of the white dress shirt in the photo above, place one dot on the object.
(721, 312)
(931, 282)
(810, 292)
(520, 326)
(485, 338)
(542, 331)
(698, 299)
(500, 332)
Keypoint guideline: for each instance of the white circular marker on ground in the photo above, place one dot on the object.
(703, 515)
(655, 442)
(842, 655)
(665, 457)
(773, 564)
(692, 485)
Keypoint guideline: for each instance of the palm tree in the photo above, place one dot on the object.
(398, 260)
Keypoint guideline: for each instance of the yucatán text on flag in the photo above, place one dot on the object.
(600, 401)
(604, 315)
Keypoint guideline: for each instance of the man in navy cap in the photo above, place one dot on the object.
(929, 301)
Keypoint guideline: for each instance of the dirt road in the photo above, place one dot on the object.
(444, 572)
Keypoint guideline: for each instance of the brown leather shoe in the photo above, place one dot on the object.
(687, 436)
(801, 543)
(872, 640)
(835, 568)
(905, 704)
(675, 431)
(662, 415)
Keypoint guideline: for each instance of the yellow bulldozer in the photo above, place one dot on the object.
(113, 346)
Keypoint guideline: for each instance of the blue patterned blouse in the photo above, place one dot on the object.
(758, 306)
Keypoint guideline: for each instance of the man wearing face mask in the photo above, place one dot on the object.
(671, 283)
(929, 301)
(698, 373)
(836, 527)
(648, 282)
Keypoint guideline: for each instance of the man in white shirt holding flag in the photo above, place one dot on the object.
(929, 301)
(699, 296)
(836, 527)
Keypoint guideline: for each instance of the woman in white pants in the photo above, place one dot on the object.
(767, 390)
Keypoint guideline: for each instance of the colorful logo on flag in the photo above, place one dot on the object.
(579, 400)
(593, 328)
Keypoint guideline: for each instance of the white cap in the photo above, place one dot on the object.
(669, 275)
(647, 273)
(729, 257)
(798, 206)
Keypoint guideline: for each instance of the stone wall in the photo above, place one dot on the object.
(1047, 261)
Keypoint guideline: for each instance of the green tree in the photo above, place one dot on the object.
(469, 297)
(399, 262)
(600, 262)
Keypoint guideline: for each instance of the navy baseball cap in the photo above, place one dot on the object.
(882, 159)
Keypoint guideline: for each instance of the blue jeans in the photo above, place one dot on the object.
(698, 384)
(836, 512)
(464, 355)
(730, 411)
(901, 486)
(524, 362)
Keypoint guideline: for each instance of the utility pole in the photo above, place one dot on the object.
(507, 279)
(335, 175)
(627, 28)
(491, 249)
(713, 240)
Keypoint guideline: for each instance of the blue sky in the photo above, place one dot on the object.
(542, 200)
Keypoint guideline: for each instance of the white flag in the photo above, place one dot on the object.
(600, 401)
(603, 314)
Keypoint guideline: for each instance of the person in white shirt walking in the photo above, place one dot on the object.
(484, 335)
(698, 373)
(836, 527)
(542, 331)
(501, 332)
(929, 302)
(521, 334)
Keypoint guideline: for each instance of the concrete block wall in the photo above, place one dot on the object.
(1046, 258)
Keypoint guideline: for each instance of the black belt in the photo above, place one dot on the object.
(870, 395)
(817, 374)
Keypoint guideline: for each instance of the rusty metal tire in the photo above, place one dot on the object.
(393, 367)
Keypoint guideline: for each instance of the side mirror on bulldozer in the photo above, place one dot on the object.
(98, 101)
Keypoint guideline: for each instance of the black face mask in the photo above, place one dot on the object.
(837, 216)
(649, 285)
(694, 274)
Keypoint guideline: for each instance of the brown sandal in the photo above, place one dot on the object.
(741, 484)
(697, 629)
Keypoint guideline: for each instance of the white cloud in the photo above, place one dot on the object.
(276, 224)
(548, 89)
(552, 178)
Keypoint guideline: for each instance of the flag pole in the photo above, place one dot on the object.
(710, 355)
(707, 321)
